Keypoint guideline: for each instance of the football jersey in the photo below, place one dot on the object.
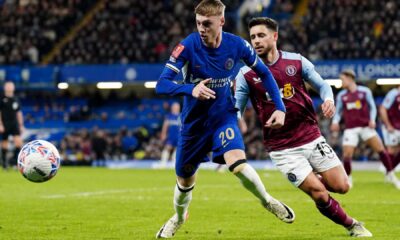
(199, 62)
(357, 108)
(392, 104)
(173, 125)
(301, 125)
(9, 106)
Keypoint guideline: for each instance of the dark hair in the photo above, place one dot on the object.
(266, 21)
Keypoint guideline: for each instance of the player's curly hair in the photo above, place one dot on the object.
(268, 22)
(210, 8)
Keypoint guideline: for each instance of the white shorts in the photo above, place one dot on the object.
(391, 138)
(297, 163)
(352, 136)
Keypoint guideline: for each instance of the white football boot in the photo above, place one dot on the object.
(357, 229)
(169, 229)
(280, 210)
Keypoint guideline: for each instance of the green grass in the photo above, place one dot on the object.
(88, 203)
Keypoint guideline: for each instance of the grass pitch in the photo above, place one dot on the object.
(95, 203)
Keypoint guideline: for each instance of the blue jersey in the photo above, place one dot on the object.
(199, 62)
(173, 128)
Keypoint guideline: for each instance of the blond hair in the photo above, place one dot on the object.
(210, 8)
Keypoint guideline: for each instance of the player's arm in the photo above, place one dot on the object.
(323, 88)
(165, 84)
(164, 130)
(20, 119)
(372, 109)
(250, 58)
(386, 104)
(241, 96)
(338, 115)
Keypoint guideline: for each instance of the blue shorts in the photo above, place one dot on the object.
(193, 150)
(172, 140)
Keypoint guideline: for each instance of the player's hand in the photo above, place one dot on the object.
(372, 124)
(390, 128)
(335, 127)
(277, 120)
(328, 108)
(202, 92)
(1, 128)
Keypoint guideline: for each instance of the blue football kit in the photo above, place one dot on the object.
(210, 125)
(173, 129)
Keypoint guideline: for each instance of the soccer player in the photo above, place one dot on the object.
(11, 123)
(208, 118)
(357, 106)
(298, 149)
(390, 116)
(169, 135)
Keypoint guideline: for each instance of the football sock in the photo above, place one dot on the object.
(250, 180)
(335, 212)
(395, 160)
(386, 160)
(347, 165)
(15, 158)
(182, 198)
(164, 157)
(4, 157)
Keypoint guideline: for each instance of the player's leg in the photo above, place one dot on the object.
(326, 163)
(348, 152)
(350, 141)
(377, 146)
(228, 144)
(328, 206)
(165, 154)
(4, 150)
(236, 161)
(190, 152)
(18, 145)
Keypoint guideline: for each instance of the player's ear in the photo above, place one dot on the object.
(276, 36)
(222, 21)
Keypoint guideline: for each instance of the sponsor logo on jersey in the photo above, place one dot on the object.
(291, 70)
(15, 105)
(229, 64)
(257, 80)
(177, 51)
(287, 91)
(354, 105)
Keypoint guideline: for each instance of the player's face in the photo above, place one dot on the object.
(346, 81)
(175, 108)
(9, 87)
(263, 39)
(209, 27)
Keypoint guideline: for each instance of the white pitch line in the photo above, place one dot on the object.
(117, 191)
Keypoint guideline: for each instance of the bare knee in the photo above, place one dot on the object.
(342, 188)
(319, 195)
(186, 182)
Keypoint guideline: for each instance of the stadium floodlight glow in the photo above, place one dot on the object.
(109, 85)
(62, 85)
(151, 84)
(334, 82)
(388, 81)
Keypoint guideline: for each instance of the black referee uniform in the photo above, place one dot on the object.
(9, 107)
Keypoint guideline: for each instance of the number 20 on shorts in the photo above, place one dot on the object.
(227, 134)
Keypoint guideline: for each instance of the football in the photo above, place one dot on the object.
(38, 161)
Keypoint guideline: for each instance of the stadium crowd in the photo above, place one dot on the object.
(125, 31)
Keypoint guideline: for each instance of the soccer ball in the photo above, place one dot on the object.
(38, 161)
